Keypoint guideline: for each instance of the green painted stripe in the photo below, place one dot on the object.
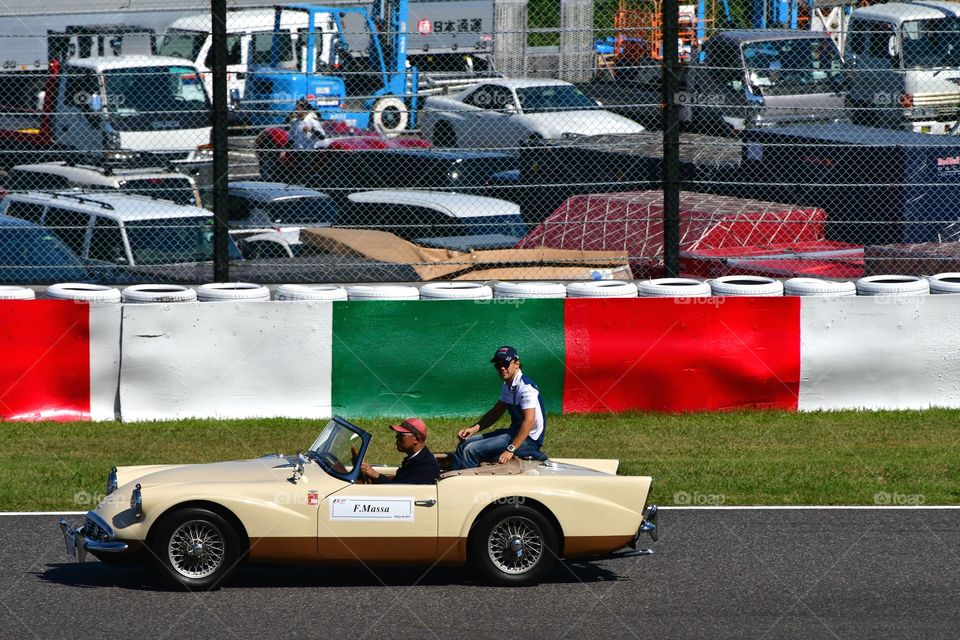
(432, 357)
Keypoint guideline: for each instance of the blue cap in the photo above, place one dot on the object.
(505, 354)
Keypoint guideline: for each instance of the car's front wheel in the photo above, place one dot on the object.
(196, 548)
(513, 546)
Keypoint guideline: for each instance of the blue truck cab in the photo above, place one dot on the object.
(371, 89)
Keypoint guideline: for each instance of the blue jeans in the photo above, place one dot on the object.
(487, 447)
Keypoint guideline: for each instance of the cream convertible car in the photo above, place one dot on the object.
(511, 522)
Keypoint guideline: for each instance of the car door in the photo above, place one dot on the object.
(379, 523)
(490, 125)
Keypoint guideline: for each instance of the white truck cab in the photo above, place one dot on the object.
(137, 103)
(249, 39)
(903, 61)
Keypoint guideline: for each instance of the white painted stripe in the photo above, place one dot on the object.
(879, 352)
(104, 360)
(232, 359)
(42, 513)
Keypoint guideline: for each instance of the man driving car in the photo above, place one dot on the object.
(419, 466)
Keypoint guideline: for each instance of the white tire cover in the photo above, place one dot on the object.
(141, 293)
(83, 291)
(602, 289)
(310, 292)
(746, 286)
(390, 102)
(529, 290)
(229, 291)
(892, 285)
(673, 288)
(818, 287)
(945, 283)
(455, 291)
(16, 293)
(382, 292)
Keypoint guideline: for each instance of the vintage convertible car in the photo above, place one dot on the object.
(511, 522)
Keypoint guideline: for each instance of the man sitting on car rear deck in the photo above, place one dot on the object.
(419, 467)
(519, 396)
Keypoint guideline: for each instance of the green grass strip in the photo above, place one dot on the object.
(742, 458)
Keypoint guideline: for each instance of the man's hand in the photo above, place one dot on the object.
(368, 471)
(463, 434)
(505, 457)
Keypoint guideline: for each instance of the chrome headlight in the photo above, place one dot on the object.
(112, 481)
(136, 502)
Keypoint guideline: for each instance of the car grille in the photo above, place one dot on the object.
(93, 531)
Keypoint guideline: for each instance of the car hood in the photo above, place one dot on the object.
(266, 469)
(587, 122)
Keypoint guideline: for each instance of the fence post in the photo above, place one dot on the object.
(510, 42)
(670, 86)
(576, 40)
(221, 255)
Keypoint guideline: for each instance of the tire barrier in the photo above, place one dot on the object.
(746, 286)
(382, 292)
(602, 289)
(455, 291)
(157, 293)
(673, 288)
(892, 286)
(944, 283)
(95, 293)
(232, 292)
(529, 290)
(16, 293)
(310, 292)
(817, 287)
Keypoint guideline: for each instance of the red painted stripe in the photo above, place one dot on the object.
(45, 368)
(664, 354)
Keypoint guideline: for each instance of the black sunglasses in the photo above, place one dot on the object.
(497, 364)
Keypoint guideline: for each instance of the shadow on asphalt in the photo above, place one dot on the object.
(94, 574)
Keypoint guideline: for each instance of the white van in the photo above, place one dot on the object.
(249, 40)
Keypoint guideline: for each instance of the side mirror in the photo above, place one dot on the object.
(234, 98)
(94, 102)
(892, 46)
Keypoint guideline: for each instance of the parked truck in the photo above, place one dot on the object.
(750, 79)
(903, 61)
(105, 104)
(368, 89)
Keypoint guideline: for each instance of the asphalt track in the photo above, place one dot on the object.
(768, 573)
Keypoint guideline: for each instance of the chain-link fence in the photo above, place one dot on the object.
(482, 139)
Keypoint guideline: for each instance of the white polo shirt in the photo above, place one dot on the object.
(522, 393)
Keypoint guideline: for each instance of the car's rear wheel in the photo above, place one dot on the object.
(196, 548)
(513, 546)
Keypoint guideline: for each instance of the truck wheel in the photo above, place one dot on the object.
(513, 546)
(196, 548)
(390, 115)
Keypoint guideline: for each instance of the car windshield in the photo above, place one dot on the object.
(792, 66)
(182, 43)
(302, 211)
(173, 241)
(339, 448)
(931, 43)
(559, 97)
(162, 91)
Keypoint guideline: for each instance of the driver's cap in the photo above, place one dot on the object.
(416, 426)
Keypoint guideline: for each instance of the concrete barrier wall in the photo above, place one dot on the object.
(70, 361)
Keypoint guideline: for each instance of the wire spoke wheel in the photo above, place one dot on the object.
(196, 549)
(515, 545)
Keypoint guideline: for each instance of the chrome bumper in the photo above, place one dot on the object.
(648, 525)
(95, 535)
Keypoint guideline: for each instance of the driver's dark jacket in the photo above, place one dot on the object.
(421, 468)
